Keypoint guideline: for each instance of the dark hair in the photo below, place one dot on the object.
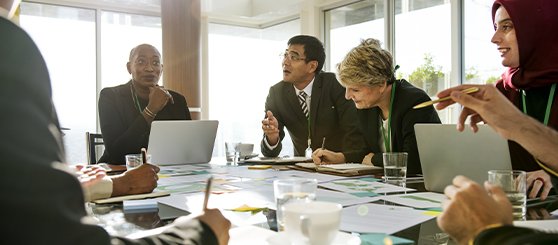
(313, 49)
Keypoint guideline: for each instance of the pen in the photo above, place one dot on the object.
(323, 148)
(425, 104)
(207, 192)
(144, 155)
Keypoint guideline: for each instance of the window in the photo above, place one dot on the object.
(482, 59)
(243, 64)
(119, 34)
(423, 45)
(347, 25)
(71, 62)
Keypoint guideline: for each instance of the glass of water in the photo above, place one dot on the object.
(292, 190)
(395, 167)
(135, 160)
(514, 183)
(232, 152)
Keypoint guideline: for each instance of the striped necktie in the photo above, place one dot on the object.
(302, 101)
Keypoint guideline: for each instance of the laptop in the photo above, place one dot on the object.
(179, 142)
(445, 152)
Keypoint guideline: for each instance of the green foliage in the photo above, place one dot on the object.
(427, 75)
(492, 79)
(471, 73)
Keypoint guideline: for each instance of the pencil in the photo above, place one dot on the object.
(323, 148)
(144, 155)
(207, 192)
(425, 104)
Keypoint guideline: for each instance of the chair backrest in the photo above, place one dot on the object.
(91, 142)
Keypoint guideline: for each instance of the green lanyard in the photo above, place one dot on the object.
(387, 138)
(548, 105)
(139, 107)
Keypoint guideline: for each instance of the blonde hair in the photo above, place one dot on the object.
(366, 64)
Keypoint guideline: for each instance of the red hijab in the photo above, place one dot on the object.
(536, 30)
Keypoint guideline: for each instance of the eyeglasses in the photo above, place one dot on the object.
(291, 57)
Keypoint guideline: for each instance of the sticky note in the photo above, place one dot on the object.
(260, 167)
(438, 209)
(378, 239)
(202, 172)
(432, 213)
(162, 175)
(371, 179)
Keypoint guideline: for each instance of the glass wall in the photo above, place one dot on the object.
(66, 38)
(119, 34)
(482, 59)
(423, 45)
(243, 64)
(347, 25)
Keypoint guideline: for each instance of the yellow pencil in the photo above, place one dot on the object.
(425, 104)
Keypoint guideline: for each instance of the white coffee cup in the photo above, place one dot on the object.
(246, 150)
(312, 223)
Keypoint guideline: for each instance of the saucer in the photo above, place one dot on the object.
(342, 238)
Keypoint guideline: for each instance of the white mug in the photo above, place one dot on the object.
(312, 223)
(246, 150)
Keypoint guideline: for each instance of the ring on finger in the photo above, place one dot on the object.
(541, 179)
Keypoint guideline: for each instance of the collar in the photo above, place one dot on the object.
(308, 89)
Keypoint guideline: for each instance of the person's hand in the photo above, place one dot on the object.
(327, 157)
(89, 176)
(368, 159)
(544, 214)
(270, 128)
(488, 105)
(159, 96)
(469, 209)
(537, 184)
(142, 179)
(219, 224)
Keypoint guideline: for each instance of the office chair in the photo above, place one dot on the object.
(91, 143)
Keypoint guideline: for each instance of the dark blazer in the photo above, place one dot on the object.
(124, 129)
(42, 202)
(403, 119)
(331, 116)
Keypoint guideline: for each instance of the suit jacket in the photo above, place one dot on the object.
(331, 116)
(44, 203)
(403, 120)
(124, 129)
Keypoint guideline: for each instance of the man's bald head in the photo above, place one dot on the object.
(134, 51)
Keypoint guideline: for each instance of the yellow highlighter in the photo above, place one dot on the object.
(259, 167)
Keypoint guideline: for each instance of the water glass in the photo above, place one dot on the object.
(292, 190)
(395, 167)
(514, 183)
(232, 152)
(135, 160)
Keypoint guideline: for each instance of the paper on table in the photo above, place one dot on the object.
(378, 239)
(355, 186)
(377, 218)
(342, 198)
(155, 193)
(418, 200)
(249, 235)
(542, 225)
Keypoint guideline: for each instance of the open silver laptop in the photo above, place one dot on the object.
(180, 142)
(445, 152)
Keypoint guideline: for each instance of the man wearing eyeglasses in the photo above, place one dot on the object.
(310, 103)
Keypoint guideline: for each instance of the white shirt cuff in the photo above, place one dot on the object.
(268, 145)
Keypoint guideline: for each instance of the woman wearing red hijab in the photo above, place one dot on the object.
(529, 48)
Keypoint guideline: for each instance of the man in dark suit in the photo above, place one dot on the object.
(310, 103)
(42, 199)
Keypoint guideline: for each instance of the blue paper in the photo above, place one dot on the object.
(378, 239)
(365, 194)
(371, 179)
(202, 172)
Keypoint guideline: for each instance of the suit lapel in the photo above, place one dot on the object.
(295, 105)
(316, 95)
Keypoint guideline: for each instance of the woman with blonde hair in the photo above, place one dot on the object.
(385, 108)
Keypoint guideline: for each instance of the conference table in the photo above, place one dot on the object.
(116, 221)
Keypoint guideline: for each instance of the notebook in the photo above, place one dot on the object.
(180, 142)
(445, 152)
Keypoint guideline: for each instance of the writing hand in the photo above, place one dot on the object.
(325, 157)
